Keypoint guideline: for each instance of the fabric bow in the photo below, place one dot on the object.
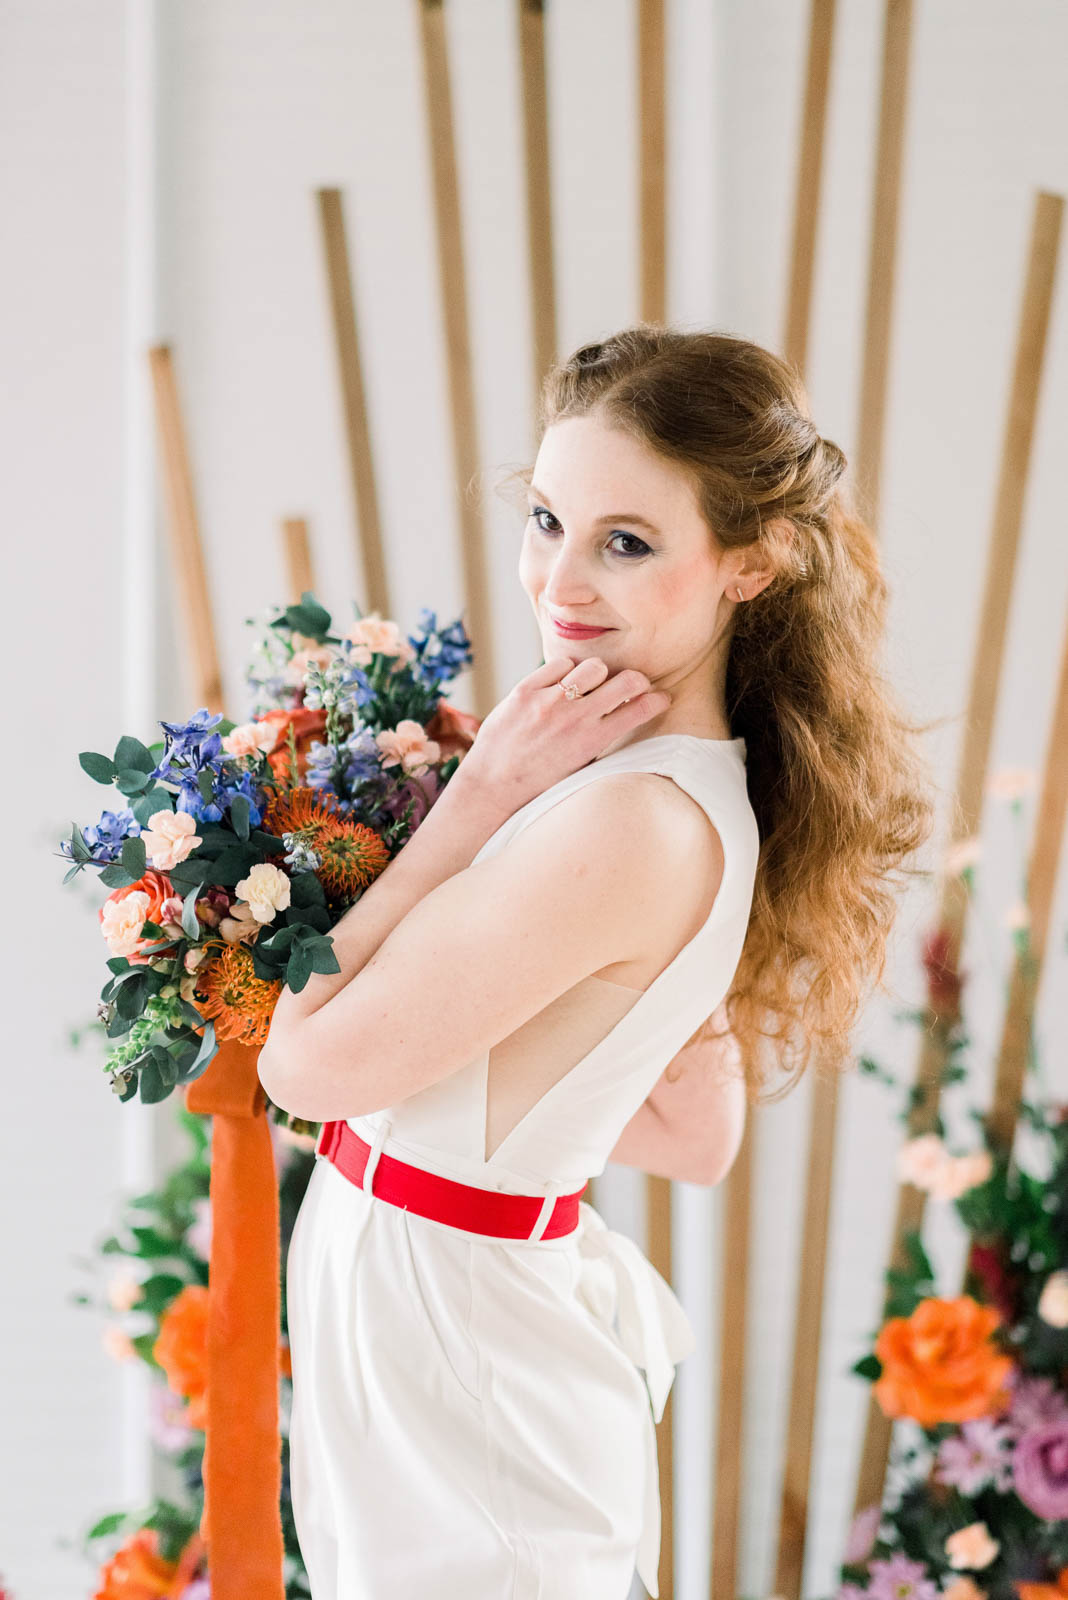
(638, 1308)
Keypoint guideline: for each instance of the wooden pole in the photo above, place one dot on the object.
(882, 251)
(653, 291)
(298, 556)
(453, 281)
(534, 102)
(808, 1318)
(808, 187)
(725, 1520)
(1017, 443)
(350, 373)
(184, 527)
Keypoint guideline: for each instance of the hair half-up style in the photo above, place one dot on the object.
(840, 791)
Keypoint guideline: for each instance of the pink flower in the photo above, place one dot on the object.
(117, 1343)
(1040, 1470)
(963, 1589)
(408, 746)
(124, 1290)
(1036, 1401)
(900, 1578)
(920, 1160)
(198, 1235)
(167, 1418)
(976, 1457)
(169, 838)
(861, 1537)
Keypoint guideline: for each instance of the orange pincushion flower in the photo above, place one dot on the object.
(181, 1348)
(939, 1364)
(351, 854)
(228, 990)
(137, 1571)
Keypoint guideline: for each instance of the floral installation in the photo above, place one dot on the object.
(239, 846)
(153, 1294)
(977, 1381)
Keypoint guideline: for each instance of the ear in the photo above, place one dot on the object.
(754, 565)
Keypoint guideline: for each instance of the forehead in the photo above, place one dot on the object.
(593, 468)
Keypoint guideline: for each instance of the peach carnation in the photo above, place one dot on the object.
(251, 738)
(169, 838)
(407, 745)
(127, 909)
(972, 1547)
(374, 635)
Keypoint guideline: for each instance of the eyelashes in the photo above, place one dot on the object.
(643, 549)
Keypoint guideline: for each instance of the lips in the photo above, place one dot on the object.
(570, 631)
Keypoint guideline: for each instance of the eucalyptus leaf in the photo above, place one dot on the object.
(239, 815)
(298, 970)
(190, 920)
(206, 784)
(134, 856)
(151, 1085)
(115, 876)
(130, 781)
(130, 752)
(100, 768)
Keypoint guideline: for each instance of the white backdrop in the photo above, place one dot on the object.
(158, 167)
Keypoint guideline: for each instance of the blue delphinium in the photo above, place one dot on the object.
(105, 839)
(355, 761)
(440, 653)
(190, 799)
(193, 744)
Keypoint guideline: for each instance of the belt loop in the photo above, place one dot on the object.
(546, 1211)
(381, 1135)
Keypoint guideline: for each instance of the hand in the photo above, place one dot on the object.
(536, 736)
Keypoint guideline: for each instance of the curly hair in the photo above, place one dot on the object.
(841, 794)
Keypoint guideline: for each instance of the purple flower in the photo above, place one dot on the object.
(167, 1413)
(976, 1457)
(105, 838)
(1040, 1470)
(850, 1591)
(192, 743)
(861, 1537)
(199, 1589)
(900, 1579)
(1036, 1401)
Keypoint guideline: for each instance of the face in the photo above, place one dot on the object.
(615, 539)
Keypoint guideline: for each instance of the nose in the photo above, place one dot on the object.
(568, 582)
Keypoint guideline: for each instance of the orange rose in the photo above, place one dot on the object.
(156, 888)
(181, 1348)
(137, 1571)
(939, 1365)
(1045, 1591)
(453, 730)
(308, 724)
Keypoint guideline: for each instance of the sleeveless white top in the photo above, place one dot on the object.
(468, 1414)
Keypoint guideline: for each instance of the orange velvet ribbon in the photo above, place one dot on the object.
(242, 1518)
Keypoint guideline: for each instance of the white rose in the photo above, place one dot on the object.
(920, 1161)
(961, 1173)
(122, 920)
(266, 889)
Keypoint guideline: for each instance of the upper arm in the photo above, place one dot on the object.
(490, 947)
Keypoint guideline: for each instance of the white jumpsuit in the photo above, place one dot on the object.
(473, 1417)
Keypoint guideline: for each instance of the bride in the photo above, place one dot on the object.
(687, 817)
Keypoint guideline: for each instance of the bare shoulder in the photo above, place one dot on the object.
(649, 844)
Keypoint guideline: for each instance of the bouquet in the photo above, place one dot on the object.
(238, 846)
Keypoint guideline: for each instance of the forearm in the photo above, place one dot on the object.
(456, 827)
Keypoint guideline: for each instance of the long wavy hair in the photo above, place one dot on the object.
(841, 793)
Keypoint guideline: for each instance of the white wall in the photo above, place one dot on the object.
(240, 111)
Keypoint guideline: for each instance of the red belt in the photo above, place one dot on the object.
(462, 1205)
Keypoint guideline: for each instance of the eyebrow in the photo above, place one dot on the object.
(612, 516)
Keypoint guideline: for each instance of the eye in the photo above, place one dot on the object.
(537, 512)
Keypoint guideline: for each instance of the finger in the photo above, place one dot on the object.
(550, 671)
(633, 712)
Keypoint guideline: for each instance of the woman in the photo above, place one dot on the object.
(524, 994)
